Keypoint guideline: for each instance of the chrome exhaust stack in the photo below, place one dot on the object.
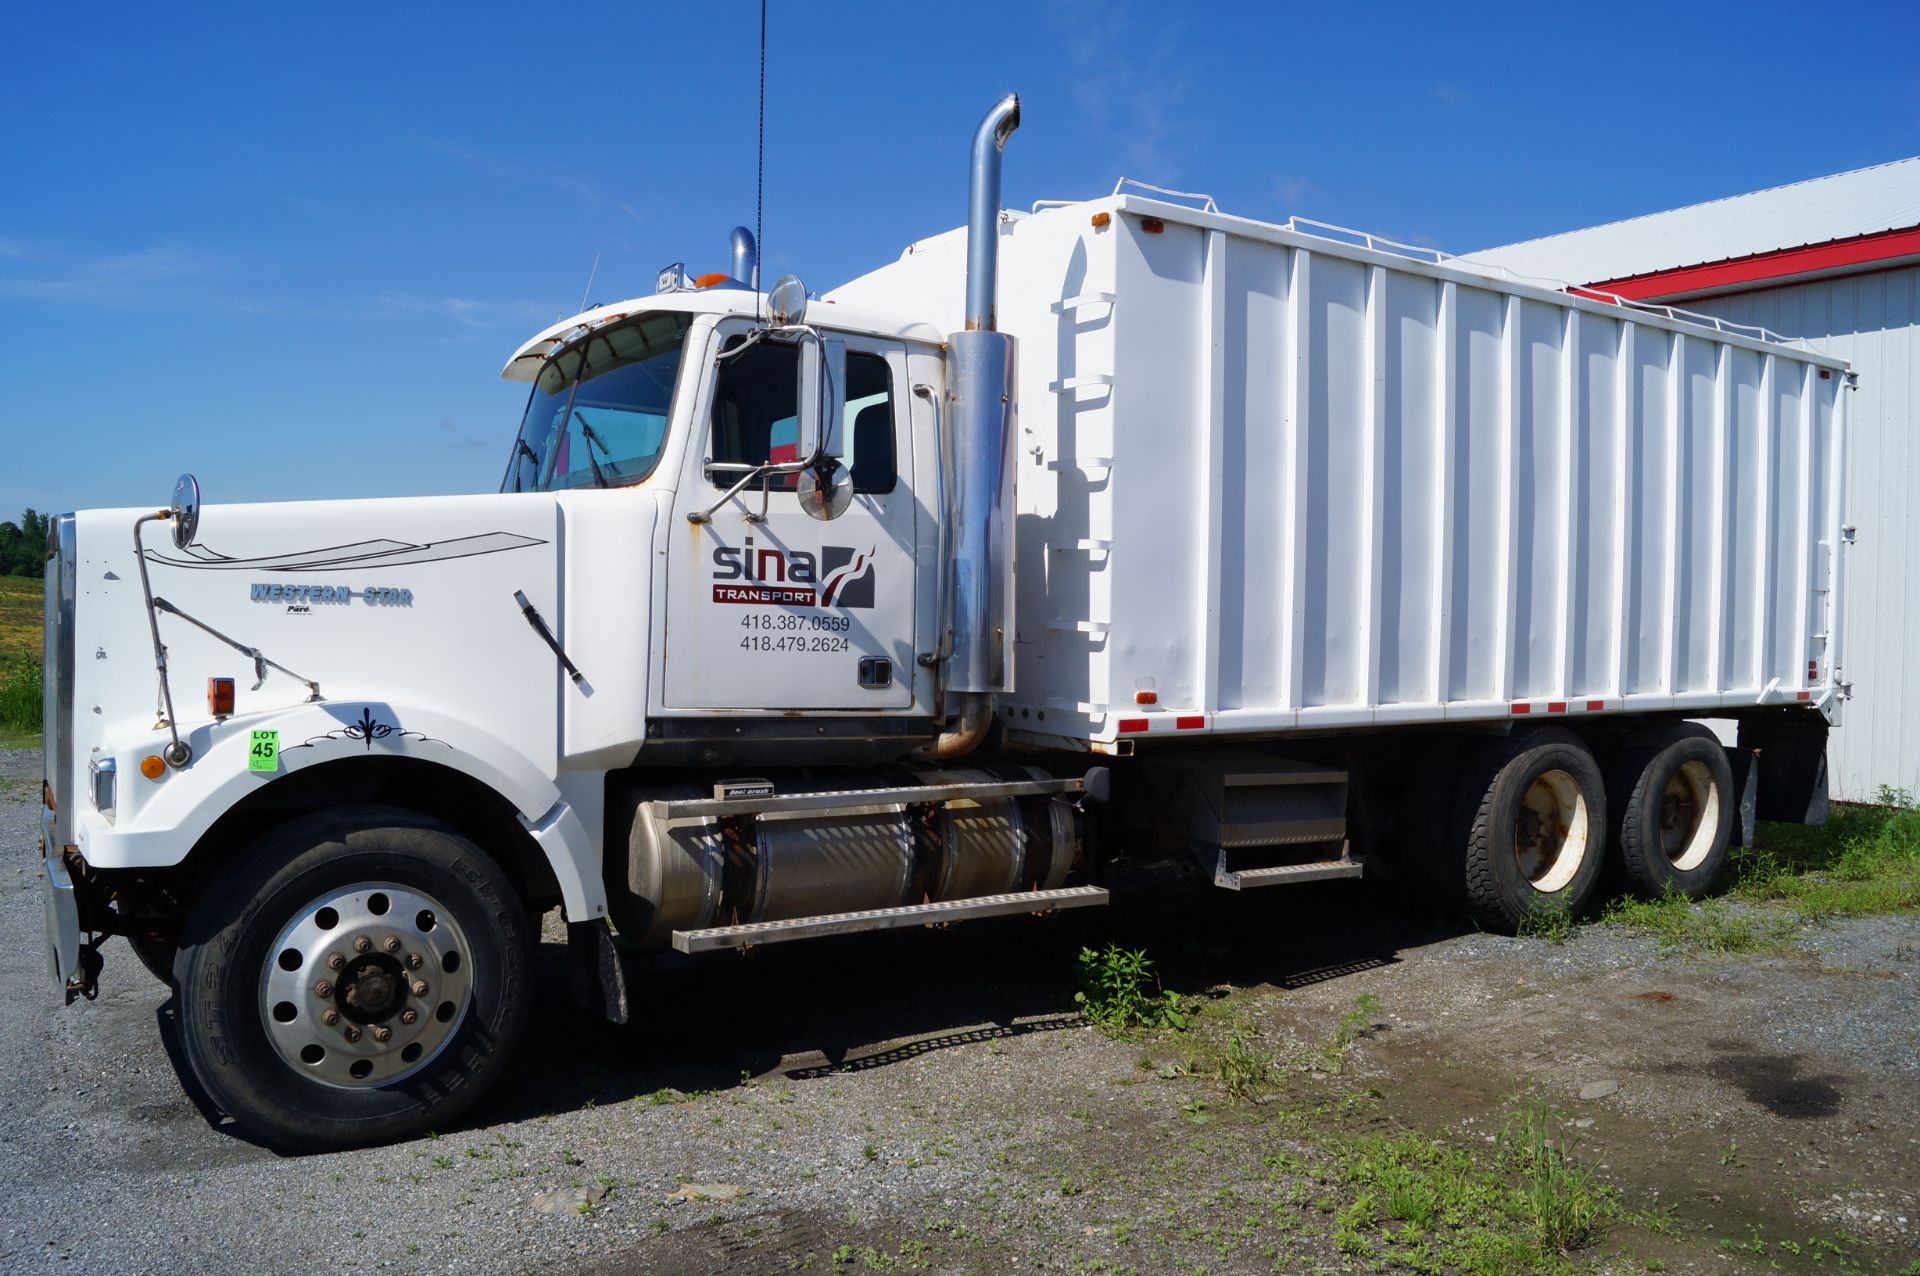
(746, 257)
(980, 390)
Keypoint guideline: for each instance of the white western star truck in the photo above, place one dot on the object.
(1119, 542)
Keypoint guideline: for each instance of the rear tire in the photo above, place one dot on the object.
(1531, 826)
(299, 977)
(1676, 810)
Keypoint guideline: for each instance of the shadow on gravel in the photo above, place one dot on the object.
(807, 1010)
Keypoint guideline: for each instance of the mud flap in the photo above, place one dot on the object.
(598, 981)
(1746, 778)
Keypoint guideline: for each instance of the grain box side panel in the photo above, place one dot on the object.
(1649, 557)
(1334, 641)
(1539, 503)
(1697, 527)
(1157, 482)
(1476, 599)
(1749, 447)
(1253, 462)
(1413, 455)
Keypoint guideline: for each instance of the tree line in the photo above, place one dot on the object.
(23, 545)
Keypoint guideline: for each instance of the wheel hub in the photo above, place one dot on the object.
(370, 989)
(365, 985)
(1550, 831)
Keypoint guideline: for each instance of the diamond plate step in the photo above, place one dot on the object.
(1284, 875)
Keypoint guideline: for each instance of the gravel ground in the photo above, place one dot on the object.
(924, 1099)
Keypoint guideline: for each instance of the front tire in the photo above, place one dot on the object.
(1532, 826)
(359, 976)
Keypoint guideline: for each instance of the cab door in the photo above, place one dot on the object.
(785, 611)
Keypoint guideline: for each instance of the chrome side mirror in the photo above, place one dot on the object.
(787, 302)
(825, 490)
(822, 402)
(186, 511)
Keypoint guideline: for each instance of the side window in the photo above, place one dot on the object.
(754, 418)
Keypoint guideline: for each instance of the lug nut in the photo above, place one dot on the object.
(393, 944)
(323, 989)
(351, 1033)
(414, 961)
(330, 1017)
(420, 989)
(409, 1016)
(362, 945)
(381, 1032)
(335, 961)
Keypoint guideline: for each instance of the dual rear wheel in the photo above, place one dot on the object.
(1534, 818)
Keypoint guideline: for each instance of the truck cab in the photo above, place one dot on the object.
(684, 404)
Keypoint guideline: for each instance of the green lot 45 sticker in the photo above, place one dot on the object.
(263, 751)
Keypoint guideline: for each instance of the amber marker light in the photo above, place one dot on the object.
(1100, 220)
(1146, 697)
(152, 767)
(709, 280)
(220, 697)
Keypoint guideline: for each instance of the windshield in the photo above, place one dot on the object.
(598, 414)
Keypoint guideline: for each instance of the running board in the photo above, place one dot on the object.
(715, 937)
(1284, 875)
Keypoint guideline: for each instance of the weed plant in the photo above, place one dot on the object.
(20, 686)
(1120, 993)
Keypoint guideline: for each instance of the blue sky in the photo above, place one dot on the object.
(289, 247)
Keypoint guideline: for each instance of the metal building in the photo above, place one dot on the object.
(1835, 261)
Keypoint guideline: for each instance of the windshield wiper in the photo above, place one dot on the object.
(593, 441)
(520, 445)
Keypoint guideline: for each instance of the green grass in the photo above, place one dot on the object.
(19, 662)
(1414, 1202)
(1864, 860)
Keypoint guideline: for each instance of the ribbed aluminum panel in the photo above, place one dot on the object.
(1268, 481)
(1874, 322)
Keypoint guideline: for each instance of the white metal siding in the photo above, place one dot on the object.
(1286, 483)
(1873, 321)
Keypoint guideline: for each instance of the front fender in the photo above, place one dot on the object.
(156, 823)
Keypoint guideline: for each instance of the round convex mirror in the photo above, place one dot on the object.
(186, 510)
(787, 303)
(825, 490)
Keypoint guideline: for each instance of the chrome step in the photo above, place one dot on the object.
(714, 937)
(1284, 874)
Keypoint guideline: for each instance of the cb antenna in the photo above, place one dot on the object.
(760, 175)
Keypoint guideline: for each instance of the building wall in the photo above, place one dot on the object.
(1874, 321)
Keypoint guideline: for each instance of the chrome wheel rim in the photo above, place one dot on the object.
(1689, 815)
(365, 985)
(1550, 834)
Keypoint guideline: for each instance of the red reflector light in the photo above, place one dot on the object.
(1191, 722)
(1523, 708)
(1130, 725)
(1556, 706)
(1594, 706)
(220, 697)
(1152, 225)
(1805, 695)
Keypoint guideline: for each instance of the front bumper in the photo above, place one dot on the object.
(62, 904)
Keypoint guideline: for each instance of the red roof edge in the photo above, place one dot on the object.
(1761, 269)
